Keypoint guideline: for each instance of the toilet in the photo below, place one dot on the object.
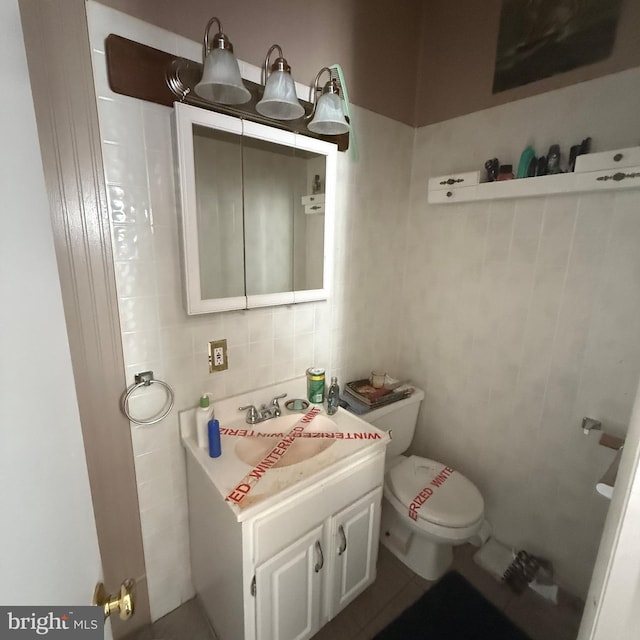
(428, 508)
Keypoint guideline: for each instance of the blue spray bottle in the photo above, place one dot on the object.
(215, 449)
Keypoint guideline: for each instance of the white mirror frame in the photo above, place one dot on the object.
(185, 117)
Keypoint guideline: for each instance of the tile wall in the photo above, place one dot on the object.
(521, 317)
(348, 334)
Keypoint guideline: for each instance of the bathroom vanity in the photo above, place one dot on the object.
(303, 542)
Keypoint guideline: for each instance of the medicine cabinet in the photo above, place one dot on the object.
(257, 209)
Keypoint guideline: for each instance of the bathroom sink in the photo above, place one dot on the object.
(247, 486)
(252, 450)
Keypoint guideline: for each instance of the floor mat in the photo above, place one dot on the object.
(452, 610)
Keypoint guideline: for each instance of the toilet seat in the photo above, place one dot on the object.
(434, 494)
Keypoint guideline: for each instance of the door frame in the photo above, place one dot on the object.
(612, 605)
(59, 59)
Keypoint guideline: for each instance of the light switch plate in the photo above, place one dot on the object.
(218, 360)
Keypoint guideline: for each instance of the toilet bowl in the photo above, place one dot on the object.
(428, 507)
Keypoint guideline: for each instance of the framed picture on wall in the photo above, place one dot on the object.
(541, 38)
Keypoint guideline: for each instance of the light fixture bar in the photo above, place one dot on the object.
(163, 78)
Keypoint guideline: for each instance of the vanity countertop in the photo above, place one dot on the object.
(350, 441)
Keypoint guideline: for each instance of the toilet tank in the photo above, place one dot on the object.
(399, 417)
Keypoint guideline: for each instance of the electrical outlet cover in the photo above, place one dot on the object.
(218, 360)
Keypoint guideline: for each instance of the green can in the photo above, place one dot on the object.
(315, 385)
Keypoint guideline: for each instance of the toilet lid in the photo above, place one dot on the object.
(436, 493)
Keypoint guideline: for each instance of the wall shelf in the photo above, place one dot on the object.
(604, 180)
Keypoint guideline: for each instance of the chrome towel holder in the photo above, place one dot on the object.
(145, 379)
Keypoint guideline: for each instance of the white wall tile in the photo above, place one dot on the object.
(261, 326)
(156, 121)
(148, 438)
(135, 278)
(283, 322)
(236, 328)
(136, 314)
(141, 346)
(125, 164)
(100, 77)
(304, 318)
(120, 120)
(131, 242)
(127, 205)
(152, 464)
(261, 353)
(176, 342)
(162, 191)
(555, 335)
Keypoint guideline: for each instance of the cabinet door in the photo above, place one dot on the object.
(247, 239)
(289, 590)
(354, 537)
(209, 147)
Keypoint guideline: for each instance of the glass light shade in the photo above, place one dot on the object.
(329, 118)
(280, 100)
(221, 81)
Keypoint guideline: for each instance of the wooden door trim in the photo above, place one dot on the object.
(59, 59)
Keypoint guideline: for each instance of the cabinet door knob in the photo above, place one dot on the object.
(320, 563)
(343, 545)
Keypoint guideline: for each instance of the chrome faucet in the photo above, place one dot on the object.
(252, 414)
(265, 412)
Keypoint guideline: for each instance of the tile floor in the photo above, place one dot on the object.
(395, 589)
(187, 622)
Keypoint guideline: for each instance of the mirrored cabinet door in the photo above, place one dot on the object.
(217, 159)
(272, 182)
(257, 208)
(314, 242)
(209, 152)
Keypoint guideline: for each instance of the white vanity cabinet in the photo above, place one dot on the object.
(318, 574)
(284, 567)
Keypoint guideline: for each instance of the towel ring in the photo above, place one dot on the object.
(145, 379)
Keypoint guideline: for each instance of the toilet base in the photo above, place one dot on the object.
(424, 556)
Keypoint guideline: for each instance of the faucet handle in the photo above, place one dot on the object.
(275, 406)
(252, 413)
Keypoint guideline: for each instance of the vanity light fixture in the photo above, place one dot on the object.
(221, 81)
(279, 100)
(328, 116)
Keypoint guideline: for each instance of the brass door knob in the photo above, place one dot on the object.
(123, 602)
